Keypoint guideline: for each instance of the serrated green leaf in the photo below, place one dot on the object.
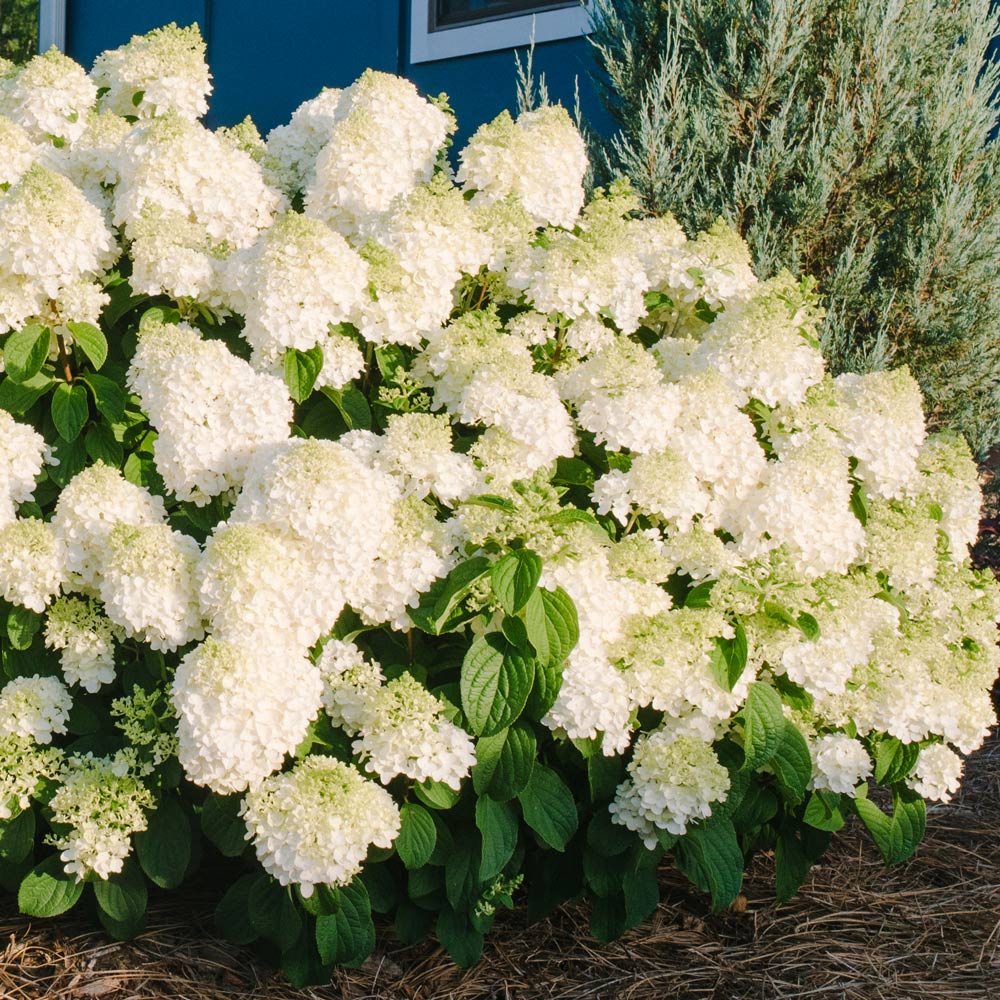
(549, 808)
(792, 762)
(710, 856)
(504, 762)
(163, 849)
(459, 938)
(301, 371)
(439, 608)
(606, 837)
(137, 98)
(70, 410)
(109, 396)
(47, 890)
(91, 340)
(22, 626)
(17, 836)
(823, 811)
(573, 472)
(808, 626)
(273, 914)
(495, 683)
(123, 896)
(102, 446)
(729, 659)
(497, 823)
(25, 351)
(791, 865)
(353, 406)
(604, 774)
(232, 914)
(347, 937)
(698, 597)
(436, 794)
(417, 836)
(222, 824)
(552, 623)
(19, 397)
(514, 578)
(492, 502)
(763, 725)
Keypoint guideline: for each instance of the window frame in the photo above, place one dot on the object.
(508, 31)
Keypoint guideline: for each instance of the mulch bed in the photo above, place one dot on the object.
(928, 929)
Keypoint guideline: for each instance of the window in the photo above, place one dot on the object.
(442, 29)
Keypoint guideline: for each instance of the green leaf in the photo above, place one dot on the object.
(25, 351)
(573, 472)
(859, 503)
(137, 97)
(642, 894)
(808, 626)
(497, 822)
(491, 502)
(763, 725)
(604, 774)
(514, 578)
(606, 837)
(347, 937)
(460, 870)
(710, 856)
(417, 836)
(894, 760)
(608, 920)
(791, 865)
(658, 300)
(17, 836)
(495, 683)
(549, 807)
(823, 811)
(412, 923)
(91, 341)
(698, 597)
(504, 762)
(780, 613)
(222, 824)
(102, 446)
(909, 817)
(164, 847)
(553, 626)
(18, 398)
(72, 459)
(273, 913)
(232, 914)
(22, 626)
(301, 370)
(436, 794)
(792, 762)
(459, 938)
(123, 896)
(109, 396)
(729, 659)
(439, 608)
(47, 890)
(353, 406)
(383, 890)
(324, 899)
(70, 410)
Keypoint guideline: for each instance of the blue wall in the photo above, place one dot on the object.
(267, 57)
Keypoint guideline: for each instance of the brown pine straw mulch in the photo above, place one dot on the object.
(928, 929)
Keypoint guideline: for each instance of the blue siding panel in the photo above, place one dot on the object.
(266, 57)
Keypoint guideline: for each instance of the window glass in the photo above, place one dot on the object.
(448, 12)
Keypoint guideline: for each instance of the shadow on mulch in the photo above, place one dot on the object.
(928, 929)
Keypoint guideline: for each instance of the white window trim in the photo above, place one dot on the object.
(51, 25)
(490, 36)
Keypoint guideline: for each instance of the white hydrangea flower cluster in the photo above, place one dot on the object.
(20, 153)
(840, 763)
(938, 773)
(297, 144)
(241, 709)
(49, 97)
(34, 708)
(384, 141)
(103, 804)
(23, 764)
(672, 781)
(162, 70)
(296, 281)
(212, 411)
(23, 452)
(85, 638)
(53, 245)
(400, 726)
(32, 566)
(540, 159)
(185, 169)
(313, 825)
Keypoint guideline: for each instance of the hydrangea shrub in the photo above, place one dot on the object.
(414, 541)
